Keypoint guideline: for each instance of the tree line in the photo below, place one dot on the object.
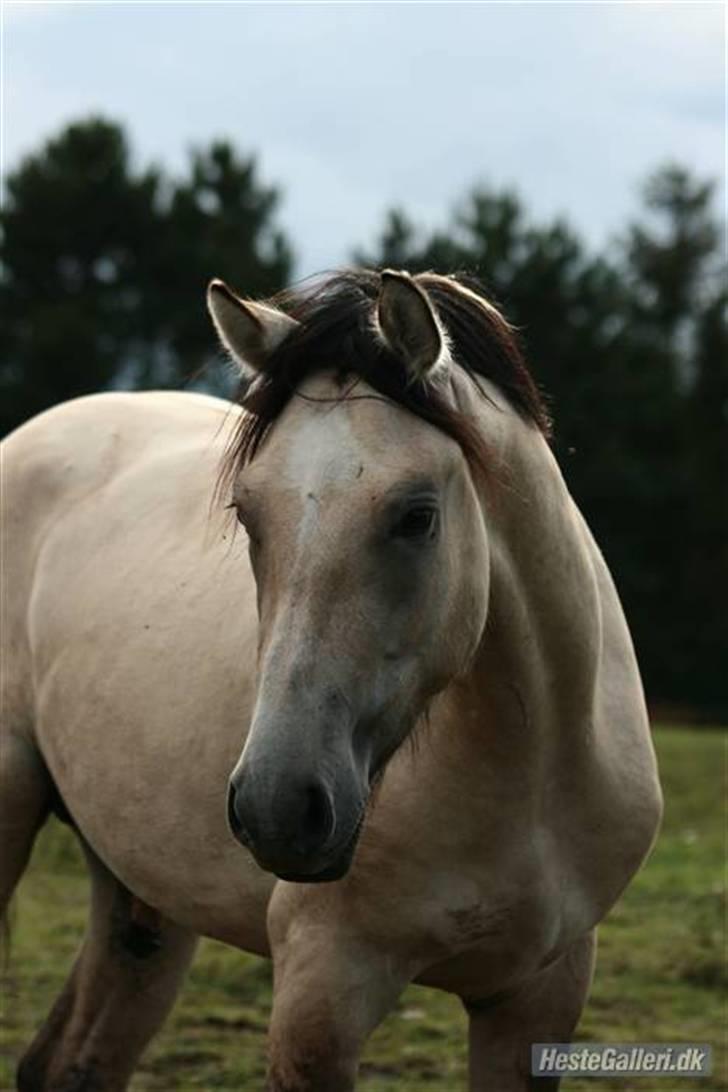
(103, 267)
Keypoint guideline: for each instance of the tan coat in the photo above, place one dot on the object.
(135, 665)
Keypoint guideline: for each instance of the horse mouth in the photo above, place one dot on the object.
(326, 875)
(334, 870)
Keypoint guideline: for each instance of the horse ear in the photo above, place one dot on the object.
(249, 331)
(409, 325)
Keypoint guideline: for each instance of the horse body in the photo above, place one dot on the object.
(128, 576)
(150, 657)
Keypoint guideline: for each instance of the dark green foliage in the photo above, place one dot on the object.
(703, 605)
(74, 225)
(218, 223)
(104, 267)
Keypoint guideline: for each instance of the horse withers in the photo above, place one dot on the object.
(382, 721)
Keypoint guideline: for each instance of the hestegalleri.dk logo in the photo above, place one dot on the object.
(621, 1059)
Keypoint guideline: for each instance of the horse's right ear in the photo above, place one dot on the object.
(249, 331)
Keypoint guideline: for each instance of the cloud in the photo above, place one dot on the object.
(354, 108)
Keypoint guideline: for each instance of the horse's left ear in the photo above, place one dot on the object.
(249, 331)
(409, 324)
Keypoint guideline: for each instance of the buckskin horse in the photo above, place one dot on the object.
(388, 729)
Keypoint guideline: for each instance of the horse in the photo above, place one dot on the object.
(336, 675)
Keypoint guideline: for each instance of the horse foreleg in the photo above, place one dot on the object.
(546, 1009)
(121, 988)
(330, 992)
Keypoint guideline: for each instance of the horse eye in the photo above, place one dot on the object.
(417, 522)
(238, 514)
(244, 522)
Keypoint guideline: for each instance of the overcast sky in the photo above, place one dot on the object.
(352, 108)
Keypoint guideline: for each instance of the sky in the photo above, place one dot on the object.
(352, 108)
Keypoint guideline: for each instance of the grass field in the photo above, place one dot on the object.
(661, 971)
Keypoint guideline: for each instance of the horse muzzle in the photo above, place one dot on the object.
(297, 832)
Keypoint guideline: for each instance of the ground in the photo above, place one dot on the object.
(661, 971)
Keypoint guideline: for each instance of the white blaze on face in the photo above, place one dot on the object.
(320, 457)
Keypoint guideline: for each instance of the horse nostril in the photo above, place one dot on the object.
(318, 819)
(233, 818)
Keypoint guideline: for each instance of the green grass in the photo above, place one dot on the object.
(661, 971)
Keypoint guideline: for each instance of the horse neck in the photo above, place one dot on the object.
(534, 676)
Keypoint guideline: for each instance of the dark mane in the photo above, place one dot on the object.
(337, 332)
